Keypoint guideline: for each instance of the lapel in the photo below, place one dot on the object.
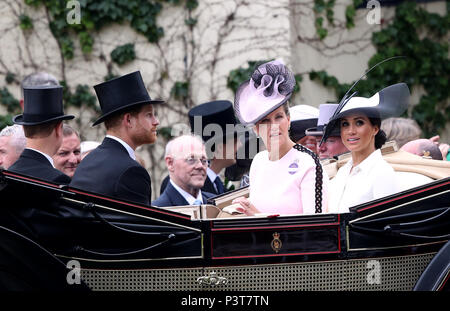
(209, 186)
(175, 198)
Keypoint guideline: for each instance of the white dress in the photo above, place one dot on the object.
(373, 178)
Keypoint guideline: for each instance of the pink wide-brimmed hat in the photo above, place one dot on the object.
(270, 86)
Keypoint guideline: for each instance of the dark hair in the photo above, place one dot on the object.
(380, 137)
(69, 131)
(115, 119)
(40, 130)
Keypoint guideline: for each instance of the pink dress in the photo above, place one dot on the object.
(285, 186)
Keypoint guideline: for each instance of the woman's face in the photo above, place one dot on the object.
(357, 133)
(274, 129)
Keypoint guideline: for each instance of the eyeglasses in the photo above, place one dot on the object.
(193, 161)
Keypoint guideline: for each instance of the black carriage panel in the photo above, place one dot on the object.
(92, 228)
(419, 216)
(277, 237)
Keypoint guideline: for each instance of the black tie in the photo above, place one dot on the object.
(219, 185)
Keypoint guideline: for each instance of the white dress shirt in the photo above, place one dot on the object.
(373, 178)
(125, 145)
(49, 158)
(186, 195)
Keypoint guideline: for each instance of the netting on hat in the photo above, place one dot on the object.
(273, 77)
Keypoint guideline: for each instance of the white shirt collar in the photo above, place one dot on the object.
(187, 196)
(49, 158)
(211, 174)
(125, 145)
(367, 162)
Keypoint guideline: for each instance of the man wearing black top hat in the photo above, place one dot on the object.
(42, 124)
(129, 116)
(215, 122)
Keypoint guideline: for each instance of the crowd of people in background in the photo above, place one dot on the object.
(286, 176)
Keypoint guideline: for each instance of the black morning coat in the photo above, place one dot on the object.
(207, 187)
(171, 197)
(34, 164)
(109, 170)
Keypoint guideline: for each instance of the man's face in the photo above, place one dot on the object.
(309, 142)
(68, 155)
(8, 153)
(145, 125)
(333, 146)
(186, 167)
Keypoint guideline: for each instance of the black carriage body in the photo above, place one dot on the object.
(121, 245)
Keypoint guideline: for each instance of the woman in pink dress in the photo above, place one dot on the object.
(287, 178)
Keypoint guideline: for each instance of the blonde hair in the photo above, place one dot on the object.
(401, 130)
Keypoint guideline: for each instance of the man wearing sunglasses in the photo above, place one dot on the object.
(186, 162)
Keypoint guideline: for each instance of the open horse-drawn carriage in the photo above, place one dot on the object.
(55, 237)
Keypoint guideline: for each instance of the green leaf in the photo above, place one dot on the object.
(25, 22)
(123, 54)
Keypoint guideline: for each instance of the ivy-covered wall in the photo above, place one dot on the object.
(191, 51)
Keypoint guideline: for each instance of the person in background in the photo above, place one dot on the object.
(333, 146)
(12, 143)
(283, 177)
(130, 120)
(68, 155)
(302, 118)
(42, 124)
(443, 147)
(187, 162)
(401, 130)
(215, 123)
(424, 148)
(366, 176)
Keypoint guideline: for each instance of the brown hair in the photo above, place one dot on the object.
(69, 131)
(115, 119)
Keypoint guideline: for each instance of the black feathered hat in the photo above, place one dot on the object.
(391, 101)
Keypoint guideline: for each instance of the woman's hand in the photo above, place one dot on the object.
(245, 206)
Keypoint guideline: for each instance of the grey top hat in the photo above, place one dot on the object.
(326, 111)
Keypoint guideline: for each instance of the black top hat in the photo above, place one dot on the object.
(206, 119)
(122, 93)
(42, 104)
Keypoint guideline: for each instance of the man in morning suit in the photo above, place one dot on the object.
(129, 116)
(42, 124)
(187, 162)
